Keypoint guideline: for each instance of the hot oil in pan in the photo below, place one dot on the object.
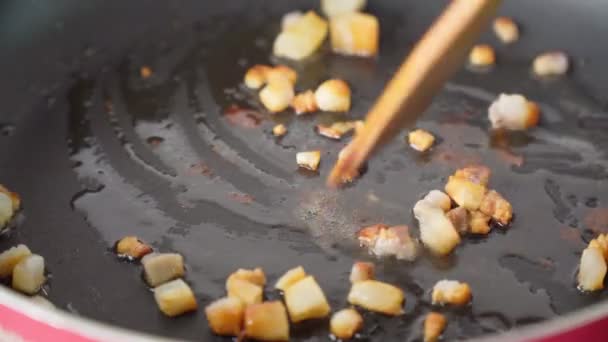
(185, 159)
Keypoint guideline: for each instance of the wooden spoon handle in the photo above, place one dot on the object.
(435, 58)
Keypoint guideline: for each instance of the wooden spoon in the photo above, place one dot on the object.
(439, 53)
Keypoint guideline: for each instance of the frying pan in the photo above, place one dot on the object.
(97, 153)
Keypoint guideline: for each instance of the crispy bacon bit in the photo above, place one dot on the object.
(277, 94)
(465, 193)
(132, 247)
(482, 56)
(333, 96)
(304, 103)
(421, 140)
(451, 292)
(279, 130)
(513, 112)
(601, 242)
(15, 198)
(338, 129)
(282, 71)
(494, 205)
(145, 72)
(459, 217)
(362, 271)
(479, 222)
(355, 34)
(477, 174)
(385, 241)
(506, 29)
(434, 324)
(309, 160)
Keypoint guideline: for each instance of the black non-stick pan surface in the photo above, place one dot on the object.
(186, 161)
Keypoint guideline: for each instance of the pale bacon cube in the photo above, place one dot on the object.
(309, 160)
(355, 34)
(266, 322)
(225, 316)
(479, 222)
(362, 271)
(477, 174)
(304, 103)
(175, 298)
(277, 94)
(434, 324)
(382, 241)
(553, 63)
(592, 270)
(439, 199)
(332, 8)
(279, 130)
(338, 129)
(333, 96)
(290, 19)
(11, 257)
(305, 300)
(28, 274)
(302, 37)
(513, 112)
(290, 277)
(459, 217)
(377, 296)
(159, 268)
(256, 76)
(243, 289)
(42, 301)
(132, 247)
(465, 193)
(420, 140)
(436, 231)
(506, 29)
(451, 292)
(345, 323)
(494, 205)
(482, 56)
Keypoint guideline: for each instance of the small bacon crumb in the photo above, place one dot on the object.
(304, 103)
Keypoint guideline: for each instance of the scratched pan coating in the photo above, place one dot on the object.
(186, 161)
